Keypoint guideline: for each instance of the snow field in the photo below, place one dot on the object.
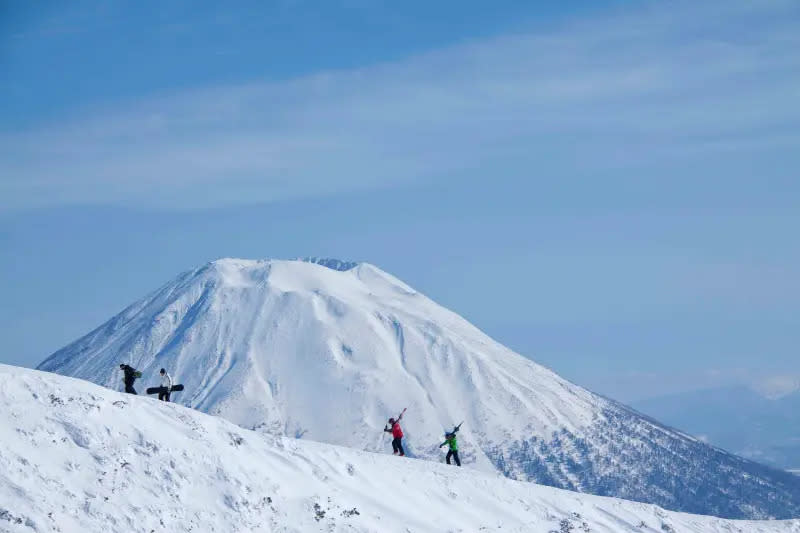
(75, 457)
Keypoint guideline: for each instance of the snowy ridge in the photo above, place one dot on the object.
(77, 457)
(327, 350)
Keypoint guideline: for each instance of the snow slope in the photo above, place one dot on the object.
(77, 457)
(328, 350)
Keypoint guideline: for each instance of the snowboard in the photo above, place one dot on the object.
(157, 390)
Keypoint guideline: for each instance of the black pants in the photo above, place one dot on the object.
(163, 394)
(397, 446)
(454, 455)
(129, 388)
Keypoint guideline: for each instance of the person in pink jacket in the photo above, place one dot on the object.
(394, 428)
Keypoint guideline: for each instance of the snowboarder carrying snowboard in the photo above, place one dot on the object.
(450, 439)
(166, 386)
(130, 376)
(394, 428)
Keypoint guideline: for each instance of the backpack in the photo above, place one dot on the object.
(137, 374)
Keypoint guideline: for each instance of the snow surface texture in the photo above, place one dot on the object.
(75, 457)
(304, 350)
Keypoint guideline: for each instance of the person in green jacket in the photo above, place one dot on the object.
(450, 440)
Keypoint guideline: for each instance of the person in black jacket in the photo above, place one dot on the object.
(130, 376)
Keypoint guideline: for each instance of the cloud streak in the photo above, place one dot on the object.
(629, 92)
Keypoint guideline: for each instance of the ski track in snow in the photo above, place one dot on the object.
(75, 457)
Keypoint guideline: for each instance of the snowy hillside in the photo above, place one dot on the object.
(77, 457)
(328, 350)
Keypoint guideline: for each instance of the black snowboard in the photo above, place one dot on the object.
(158, 390)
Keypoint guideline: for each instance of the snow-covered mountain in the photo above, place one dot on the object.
(328, 350)
(77, 457)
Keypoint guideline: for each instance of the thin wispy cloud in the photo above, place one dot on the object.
(669, 81)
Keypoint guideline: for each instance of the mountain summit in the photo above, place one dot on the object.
(327, 350)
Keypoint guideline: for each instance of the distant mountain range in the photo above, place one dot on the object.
(737, 419)
(327, 350)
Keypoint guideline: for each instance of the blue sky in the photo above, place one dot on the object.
(610, 188)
